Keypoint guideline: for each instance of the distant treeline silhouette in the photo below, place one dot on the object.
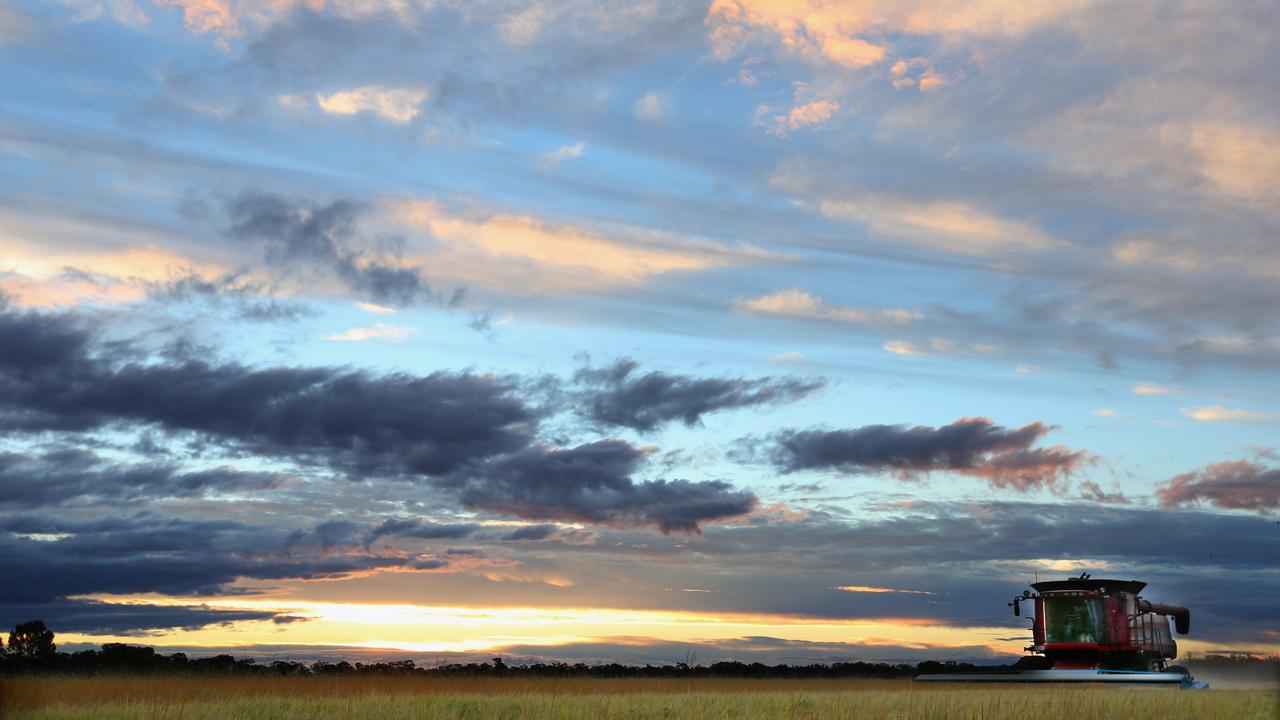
(31, 651)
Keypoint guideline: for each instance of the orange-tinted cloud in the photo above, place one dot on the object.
(1221, 413)
(954, 227)
(397, 105)
(1237, 485)
(807, 115)
(800, 304)
(874, 589)
(31, 279)
(226, 17)
(506, 251)
(851, 33)
(815, 30)
(977, 447)
(1238, 160)
(934, 347)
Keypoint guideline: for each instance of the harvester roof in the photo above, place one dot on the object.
(1090, 584)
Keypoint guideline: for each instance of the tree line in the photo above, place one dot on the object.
(31, 651)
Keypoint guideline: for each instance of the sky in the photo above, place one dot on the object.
(641, 331)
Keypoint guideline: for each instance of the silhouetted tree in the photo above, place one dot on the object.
(32, 640)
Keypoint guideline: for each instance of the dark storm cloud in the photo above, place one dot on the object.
(325, 236)
(75, 476)
(620, 396)
(1007, 531)
(444, 425)
(970, 446)
(87, 616)
(973, 556)
(419, 529)
(229, 292)
(44, 558)
(1238, 485)
(56, 378)
(592, 483)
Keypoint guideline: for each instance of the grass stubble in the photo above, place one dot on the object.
(361, 698)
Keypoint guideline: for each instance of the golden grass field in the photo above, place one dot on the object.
(304, 698)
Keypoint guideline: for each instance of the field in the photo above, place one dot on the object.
(519, 699)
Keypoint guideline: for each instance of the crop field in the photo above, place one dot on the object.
(519, 699)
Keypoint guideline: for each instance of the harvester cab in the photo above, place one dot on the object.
(1094, 630)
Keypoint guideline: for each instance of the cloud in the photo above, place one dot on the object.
(380, 331)
(592, 483)
(233, 18)
(565, 152)
(1092, 491)
(419, 529)
(505, 251)
(902, 347)
(932, 80)
(531, 533)
(800, 304)
(874, 589)
(34, 277)
(653, 107)
(208, 16)
(620, 396)
(1220, 413)
(60, 379)
(852, 34)
(323, 237)
(232, 295)
(145, 552)
(1239, 160)
(786, 358)
(816, 32)
(376, 309)
(809, 114)
(15, 26)
(397, 105)
(99, 618)
(955, 227)
(937, 347)
(76, 476)
(970, 446)
(1236, 485)
(1151, 389)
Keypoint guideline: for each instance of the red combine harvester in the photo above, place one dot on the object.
(1095, 631)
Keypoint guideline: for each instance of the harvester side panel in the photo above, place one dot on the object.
(1117, 621)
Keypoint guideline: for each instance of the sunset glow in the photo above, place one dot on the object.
(470, 629)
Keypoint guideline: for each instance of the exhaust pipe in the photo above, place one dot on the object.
(1181, 616)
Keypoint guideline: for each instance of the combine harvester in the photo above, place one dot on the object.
(1093, 631)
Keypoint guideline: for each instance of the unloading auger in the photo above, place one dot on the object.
(1093, 631)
